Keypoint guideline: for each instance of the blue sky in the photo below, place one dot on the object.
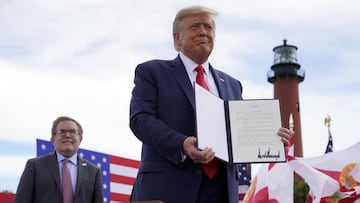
(77, 58)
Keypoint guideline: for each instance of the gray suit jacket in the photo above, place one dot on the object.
(40, 182)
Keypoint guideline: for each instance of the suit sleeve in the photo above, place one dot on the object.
(98, 194)
(25, 189)
(151, 89)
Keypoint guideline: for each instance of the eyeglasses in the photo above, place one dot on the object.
(64, 132)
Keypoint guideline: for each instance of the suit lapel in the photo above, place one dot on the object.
(219, 81)
(182, 78)
(180, 74)
(53, 165)
(81, 166)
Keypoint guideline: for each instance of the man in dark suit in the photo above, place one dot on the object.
(162, 117)
(41, 181)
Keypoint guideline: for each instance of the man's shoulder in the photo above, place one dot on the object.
(85, 163)
(224, 75)
(42, 157)
(157, 62)
(42, 160)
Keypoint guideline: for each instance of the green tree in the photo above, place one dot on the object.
(301, 191)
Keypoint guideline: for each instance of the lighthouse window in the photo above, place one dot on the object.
(285, 54)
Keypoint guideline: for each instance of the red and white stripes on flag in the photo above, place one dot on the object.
(118, 173)
(122, 177)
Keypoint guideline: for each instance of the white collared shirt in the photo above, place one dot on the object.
(190, 69)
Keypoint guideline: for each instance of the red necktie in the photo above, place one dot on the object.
(66, 183)
(212, 168)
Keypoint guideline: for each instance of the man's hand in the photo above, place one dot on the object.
(285, 134)
(198, 156)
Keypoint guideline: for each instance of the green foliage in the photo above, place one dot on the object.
(301, 191)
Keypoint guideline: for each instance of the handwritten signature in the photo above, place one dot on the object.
(268, 154)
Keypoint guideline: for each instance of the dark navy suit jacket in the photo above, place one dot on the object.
(162, 115)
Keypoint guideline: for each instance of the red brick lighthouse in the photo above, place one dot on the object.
(286, 74)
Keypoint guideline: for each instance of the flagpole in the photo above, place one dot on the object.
(329, 146)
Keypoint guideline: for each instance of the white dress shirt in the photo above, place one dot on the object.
(190, 69)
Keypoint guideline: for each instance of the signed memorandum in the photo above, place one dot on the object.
(239, 131)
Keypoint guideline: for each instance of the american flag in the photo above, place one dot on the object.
(329, 146)
(118, 173)
(244, 179)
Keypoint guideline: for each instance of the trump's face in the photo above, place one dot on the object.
(195, 37)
